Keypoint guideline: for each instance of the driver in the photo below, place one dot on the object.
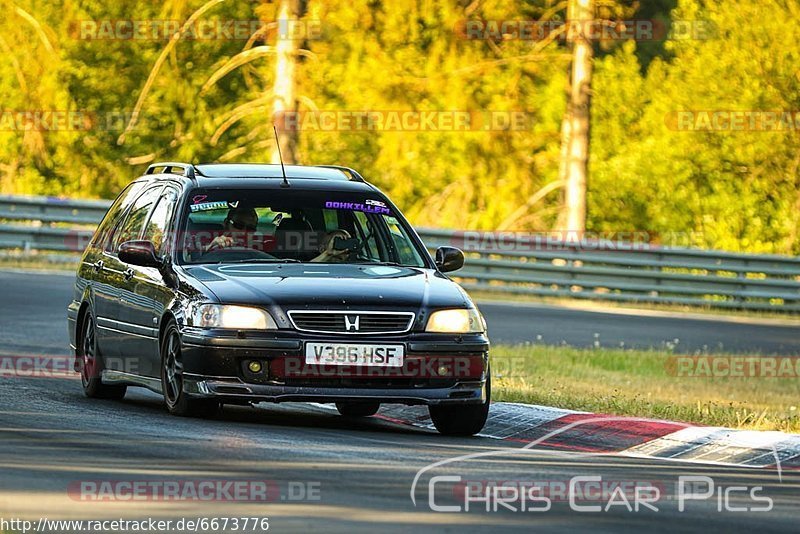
(239, 221)
(329, 254)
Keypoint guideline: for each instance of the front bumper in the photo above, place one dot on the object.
(437, 369)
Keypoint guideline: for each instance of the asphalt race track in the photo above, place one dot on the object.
(328, 473)
(553, 325)
(33, 318)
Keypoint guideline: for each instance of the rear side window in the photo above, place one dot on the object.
(132, 225)
(115, 213)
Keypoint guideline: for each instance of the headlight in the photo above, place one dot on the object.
(455, 322)
(233, 317)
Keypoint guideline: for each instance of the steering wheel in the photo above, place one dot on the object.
(235, 254)
(356, 255)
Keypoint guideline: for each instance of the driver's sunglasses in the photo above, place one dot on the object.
(243, 226)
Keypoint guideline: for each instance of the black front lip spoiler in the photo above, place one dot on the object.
(233, 390)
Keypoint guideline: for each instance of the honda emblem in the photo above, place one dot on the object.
(351, 325)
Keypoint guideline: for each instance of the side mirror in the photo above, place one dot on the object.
(449, 259)
(141, 253)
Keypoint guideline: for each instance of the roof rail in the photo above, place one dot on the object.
(170, 167)
(347, 170)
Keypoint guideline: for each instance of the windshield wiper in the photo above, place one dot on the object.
(263, 260)
(388, 263)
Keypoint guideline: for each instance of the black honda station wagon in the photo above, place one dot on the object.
(247, 283)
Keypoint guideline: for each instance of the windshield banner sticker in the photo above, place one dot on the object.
(368, 206)
(206, 206)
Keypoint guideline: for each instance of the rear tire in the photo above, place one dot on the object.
(91, 364)
(358, 409)
(463, 420)
(178, 403)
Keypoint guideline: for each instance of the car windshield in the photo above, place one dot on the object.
(285, 225)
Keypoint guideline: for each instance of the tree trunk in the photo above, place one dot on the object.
(575, 126)
(286, 47)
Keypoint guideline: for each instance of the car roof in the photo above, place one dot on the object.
(263, 170)
(260, 176)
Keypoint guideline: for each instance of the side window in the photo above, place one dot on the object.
(133, 224)
(158, 224)
(367, 234)
(402, 243)
(115, 213)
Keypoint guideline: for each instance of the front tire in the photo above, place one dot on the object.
(358, 409)
(463, 420)
(91, 364)
(178, 403)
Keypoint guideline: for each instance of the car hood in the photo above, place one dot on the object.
(330, 286)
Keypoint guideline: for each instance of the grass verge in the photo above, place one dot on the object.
(36, 264)
(479, 295)
(643, 384)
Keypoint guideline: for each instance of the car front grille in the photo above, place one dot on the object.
(355, 322)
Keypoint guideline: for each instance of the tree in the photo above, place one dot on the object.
(575, 125)
(283, 88)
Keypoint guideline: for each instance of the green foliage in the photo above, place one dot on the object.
(724, 189)
(729, 189)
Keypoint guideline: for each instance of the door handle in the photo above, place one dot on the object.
(128, 274)
(98, 266)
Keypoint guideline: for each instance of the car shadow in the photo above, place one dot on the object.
(286, 415)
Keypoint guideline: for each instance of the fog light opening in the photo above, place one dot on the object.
(254, 366)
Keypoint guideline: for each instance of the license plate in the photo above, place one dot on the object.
(355, 354)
